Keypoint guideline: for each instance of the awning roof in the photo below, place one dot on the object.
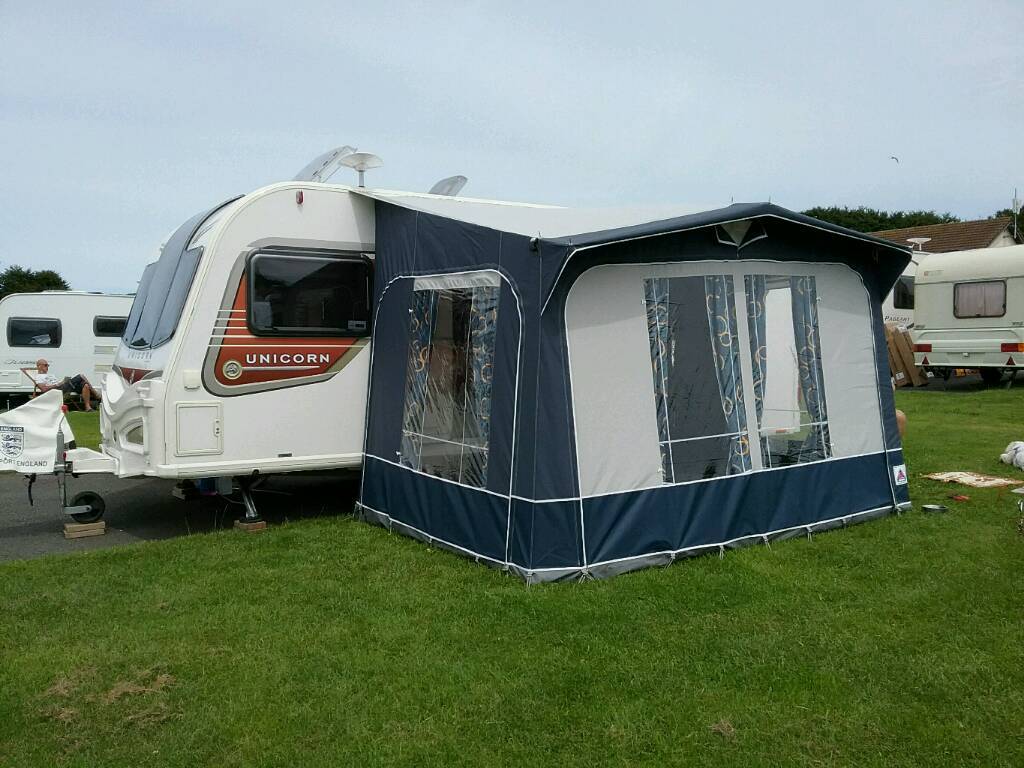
(581, 227)
(571, 230)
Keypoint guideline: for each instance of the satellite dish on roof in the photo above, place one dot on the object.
(322, 167)
(361, 162)
(450, 186)
(919, 242)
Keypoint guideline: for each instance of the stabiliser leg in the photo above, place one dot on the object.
(252, 515)
(251, 520)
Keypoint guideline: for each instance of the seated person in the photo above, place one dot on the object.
(45, 381)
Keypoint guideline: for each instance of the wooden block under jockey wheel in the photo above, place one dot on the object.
(81, 530)
(259, 525)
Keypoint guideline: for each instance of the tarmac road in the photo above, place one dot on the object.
(143, 510)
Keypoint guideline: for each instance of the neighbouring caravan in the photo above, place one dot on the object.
(970, 311)
(566, 396)
(560, 393)
(77, 332)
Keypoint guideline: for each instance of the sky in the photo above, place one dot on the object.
(119, 121)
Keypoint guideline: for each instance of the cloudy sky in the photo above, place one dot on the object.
(119, 121)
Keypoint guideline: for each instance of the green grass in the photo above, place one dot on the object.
(899, 642)
(86, 427)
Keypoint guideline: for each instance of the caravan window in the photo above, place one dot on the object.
(986, 299)
(33, 332)
(108, 326)
(903, 293)
(789, 394)
(165, 286)
(447, 415)
(298, 293)
(702, 427)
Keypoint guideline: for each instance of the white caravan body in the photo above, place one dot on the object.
(898, 307)
(75, 331)
(970, 309)
(247, 347)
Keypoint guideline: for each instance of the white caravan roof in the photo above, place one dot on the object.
(975, 264)
(530, 219)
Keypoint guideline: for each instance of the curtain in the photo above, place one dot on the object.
(421, 322)
(757, 289)
(805, 328)
(482, 325)
(656, 296)
(722, 322)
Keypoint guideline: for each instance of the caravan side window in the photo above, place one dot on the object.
(297, 293)
(903, 293)
(447, 416)
(33, 332)
(108, 326)
(985, 299)
(702, 426)
(789, 395)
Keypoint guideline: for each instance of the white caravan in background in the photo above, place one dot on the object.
(970, 311)
(77, 332)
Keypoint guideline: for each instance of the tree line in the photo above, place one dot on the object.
(864, 219)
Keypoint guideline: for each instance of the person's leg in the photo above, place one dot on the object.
(87, 396)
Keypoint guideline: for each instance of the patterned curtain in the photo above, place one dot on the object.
(656, 295)
(805, 329)
(421, 327)
(757, 289)
(722, 321)
(482, 326)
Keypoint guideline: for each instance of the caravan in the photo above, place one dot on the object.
(77, 332)
(970, 311)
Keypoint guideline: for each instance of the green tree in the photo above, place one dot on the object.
(864, 219)
(17, 279)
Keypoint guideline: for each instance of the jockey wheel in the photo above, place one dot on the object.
(94, 507)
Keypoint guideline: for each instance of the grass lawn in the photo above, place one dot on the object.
(898, 642)
(86, 427)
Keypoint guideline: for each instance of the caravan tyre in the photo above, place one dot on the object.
(93, 500)
(991, 376)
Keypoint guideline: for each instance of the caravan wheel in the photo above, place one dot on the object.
(94, 501)
(991, 376)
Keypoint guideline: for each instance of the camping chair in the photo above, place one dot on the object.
(72, 400)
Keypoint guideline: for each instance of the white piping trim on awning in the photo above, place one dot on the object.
(574, 251)
(574, 499)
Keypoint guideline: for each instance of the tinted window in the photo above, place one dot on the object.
(293, 294)
(161, 299)
(33, 332)
(108, 326)
(986, 299)
(135, 314)
(903, 293)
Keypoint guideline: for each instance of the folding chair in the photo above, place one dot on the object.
(72, 400)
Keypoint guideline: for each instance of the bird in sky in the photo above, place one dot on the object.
(893, 157)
